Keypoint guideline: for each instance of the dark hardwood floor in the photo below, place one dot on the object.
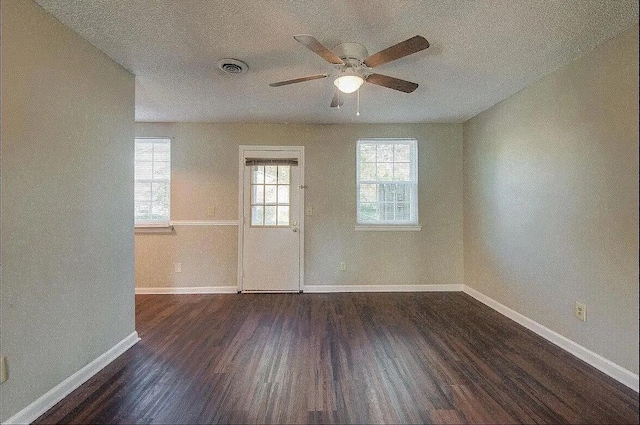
(340, 358)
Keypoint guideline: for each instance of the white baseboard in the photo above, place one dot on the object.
(318, 289)
(615, 371)
(189, 290)
(312, 289)
(60, 391)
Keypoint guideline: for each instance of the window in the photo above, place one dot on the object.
(387, 184)
(152, 181)
(270, 195)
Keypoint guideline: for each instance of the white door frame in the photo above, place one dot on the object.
(241, 219)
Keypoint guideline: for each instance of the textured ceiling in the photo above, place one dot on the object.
(481, 52)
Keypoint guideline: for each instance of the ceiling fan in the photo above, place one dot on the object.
(354, 65)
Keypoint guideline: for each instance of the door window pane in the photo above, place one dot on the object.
(283, 174)
(271, 174)
(270, 195)
(270, 215)
(257, 194)
(270, 191)
(257, 174)
(283, 194)
(257, 215)
(283, 215)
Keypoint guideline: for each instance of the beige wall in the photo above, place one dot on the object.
(205, 174)
(67, 203)
(551, 200)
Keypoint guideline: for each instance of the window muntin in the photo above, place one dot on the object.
(387, 181)
(270, 191)
(152, 181)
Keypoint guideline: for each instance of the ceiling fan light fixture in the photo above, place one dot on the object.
(348, 83)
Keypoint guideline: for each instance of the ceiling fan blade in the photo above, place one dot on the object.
(392, 83)
(337, 100)
(298, 80)
(397, 51)
(315, 46)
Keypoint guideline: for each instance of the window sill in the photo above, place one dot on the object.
(153, 228)
(388, 227)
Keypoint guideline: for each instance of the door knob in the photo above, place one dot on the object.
(295, 229)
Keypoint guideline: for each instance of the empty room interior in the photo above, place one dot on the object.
(319, 211)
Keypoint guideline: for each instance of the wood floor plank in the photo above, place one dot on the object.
(340, 358)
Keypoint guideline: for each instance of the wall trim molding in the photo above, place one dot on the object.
(203, 222)
(604, 365)
(387, 228)
(319, 289)
(188, 290)
(60, 391)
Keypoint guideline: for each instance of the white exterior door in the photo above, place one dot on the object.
(271, 234)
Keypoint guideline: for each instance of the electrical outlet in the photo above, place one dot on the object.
(580, 311)
(343, 266)
(3, 370)
(177, 267)
(211, 211)
(309, 210)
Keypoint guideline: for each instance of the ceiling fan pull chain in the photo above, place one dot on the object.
(358, 104)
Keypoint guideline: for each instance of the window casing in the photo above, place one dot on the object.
(152, 187)
(387, 182)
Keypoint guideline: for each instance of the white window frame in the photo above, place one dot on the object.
(390, 225)
(155, 224)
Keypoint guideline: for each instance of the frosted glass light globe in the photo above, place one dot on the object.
(348, 83)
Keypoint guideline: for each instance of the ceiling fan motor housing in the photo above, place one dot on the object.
(351, 53)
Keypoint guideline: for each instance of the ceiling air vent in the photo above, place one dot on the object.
(232, 66)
